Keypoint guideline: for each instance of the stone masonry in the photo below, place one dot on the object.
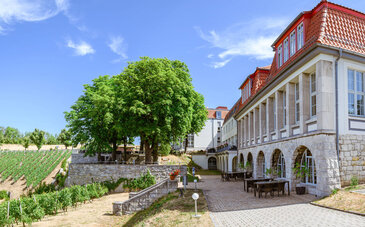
(352, 158)
(145, 198)
(80, 174)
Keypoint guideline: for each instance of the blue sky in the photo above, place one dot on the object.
(50, 48)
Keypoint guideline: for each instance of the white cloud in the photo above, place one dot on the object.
(82, 48)
(119, 47)
(252, 38)
(12, 11)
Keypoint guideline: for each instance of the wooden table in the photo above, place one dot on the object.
(228, 175)
(270, 186)
(250, 182)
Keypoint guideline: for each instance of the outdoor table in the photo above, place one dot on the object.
(250, 182)
(270, 186)
(228, 175)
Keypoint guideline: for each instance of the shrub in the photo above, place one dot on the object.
(354, 181)
(64, 198)
(32, 209)
(4, 195)
(164, 149)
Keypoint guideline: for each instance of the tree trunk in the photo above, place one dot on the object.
(147, 152)
(155, 151)
(99, 156)
(114, 152)
(186, 144)
(125, 149)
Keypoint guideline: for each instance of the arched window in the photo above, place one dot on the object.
(281, 166)
(308, 161)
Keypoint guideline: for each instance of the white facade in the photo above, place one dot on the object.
(229, 132)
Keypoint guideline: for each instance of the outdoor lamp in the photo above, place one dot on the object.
(195, 196)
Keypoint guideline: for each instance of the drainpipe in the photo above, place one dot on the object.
(336, 84)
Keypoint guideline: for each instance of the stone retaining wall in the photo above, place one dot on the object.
(81, 158)
(80, 174)
(352, 158)
(145, 198)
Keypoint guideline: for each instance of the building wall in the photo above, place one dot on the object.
(229, 132)
(202, 159)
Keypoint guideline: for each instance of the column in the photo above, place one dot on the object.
(268, 119)
(303, 101)
(239, 134)
(279, 112)
(262, 116)
(325, 95)
(290, 108)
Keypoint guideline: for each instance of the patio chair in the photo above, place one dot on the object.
(267, 188)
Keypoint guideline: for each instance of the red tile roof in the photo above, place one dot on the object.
(212, 112)
(233, 110)
(327, 24)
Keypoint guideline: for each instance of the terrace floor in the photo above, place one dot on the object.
(230, 205)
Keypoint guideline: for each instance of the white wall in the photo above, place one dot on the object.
(229, 132)
(208, 137)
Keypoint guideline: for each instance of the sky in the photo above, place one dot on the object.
(50, 48)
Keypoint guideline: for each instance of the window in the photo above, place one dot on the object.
(218, 115)
(297, 108)
(274, 111)
(281, 166)
(356, 93)
(300, 36)
(284, 109)
(191, 140)
(308, 162)
(246, 91)
(313, 95)
(286, 49)
(218, 140)
(292, 43)
(280, 56)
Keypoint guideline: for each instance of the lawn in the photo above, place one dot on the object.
(207, 172)
(345, 199)
(171, 210)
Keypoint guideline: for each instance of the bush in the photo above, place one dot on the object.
(144, 181)
(4, 195)
(164, 149)
(43, 188)
(354, 181)
(64, 198)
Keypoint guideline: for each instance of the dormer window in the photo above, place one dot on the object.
(292, 43)
(280, 55)
(286, 49)
(218, 115)
(300, 36)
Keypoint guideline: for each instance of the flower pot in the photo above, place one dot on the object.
(300, 190)
(172, 177)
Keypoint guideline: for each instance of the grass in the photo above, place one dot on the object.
(207, 172)
(344, 199)
(171, 210)
(191, 178)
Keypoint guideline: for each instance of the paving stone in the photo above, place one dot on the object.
(230, 205)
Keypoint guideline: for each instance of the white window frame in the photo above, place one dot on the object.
(313, 94)
(284, 109)
(297, 103)
(355, 92)
(310, 179)
(286, 49)
(293, 43)
(280, 55)
(281, 165)
(300, 36)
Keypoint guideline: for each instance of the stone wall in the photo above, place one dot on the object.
(80, 174)
(352, 158)
(145, 198)
(81, 158)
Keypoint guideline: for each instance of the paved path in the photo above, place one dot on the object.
(229, 205)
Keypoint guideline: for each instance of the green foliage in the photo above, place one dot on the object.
(43, 188)
(35, 166)
(10, 135)
(37, 137)
(334, 191)
(165, 149)
(64, 196)
(65, 138)
(301, 171)
(4, 194)
(25, 142)
(354, 181)
(142, 182)
(268, 171)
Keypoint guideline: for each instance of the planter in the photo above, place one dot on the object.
(300, 190)
(172, 177)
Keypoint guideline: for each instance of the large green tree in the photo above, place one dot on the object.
(94, 118)
(25, 142)
(160, 97)
(11, 135)
(37, 137)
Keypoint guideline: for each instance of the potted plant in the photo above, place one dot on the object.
(268, 172)
(174, 173)
(300, 172)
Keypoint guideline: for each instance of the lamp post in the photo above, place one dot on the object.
(195, 196)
